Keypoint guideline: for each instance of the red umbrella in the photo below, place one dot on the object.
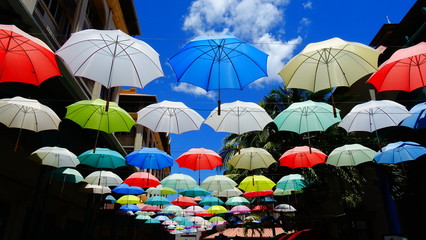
(261, 208)
(302, 157)
(24, 58)
(405, 70)
(204, 214)
(142, 179)
(151, 208)
(199, 158)
(258, 194)
(184, 201)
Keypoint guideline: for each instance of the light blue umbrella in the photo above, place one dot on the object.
(150, 158)
(152, 221)
(400, 152)
(162, 218)
(234, 201)
(130, 207)
(263, 200)
(211, 201)
(102, 158)
(157, 200)
(110, 199)
(126, 189)
(194, 192)
(418, 119)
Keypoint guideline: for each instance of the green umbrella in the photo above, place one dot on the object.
(157, 200)
(234, 201)
(256, 183)
(194, 192)
(161, 190)
(216, 209)
(102, 158)
(211, 201)
(216, 219)
(292, 182)
(350, 155)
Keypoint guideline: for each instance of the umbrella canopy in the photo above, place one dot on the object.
(240, 209)
(308, 116)
(151, 208)
(67, 175)
(263, 200)
(261, 208)
(55, 157)
(374, 115)
(211, 201)
(403, 71)
(110, 199)
(102, 158)
(97, 189)
(173, 209)
(216, 219)
(126, 189)
(130, 207)
(162, 218)
(218, 183)
(199, 158)
(330, 63)
(93, 114)
(194, 209)
(160, 190)
(256, 183)
(284, 208)
(152, 221)
(194, 192)
(258, 193)
(233, 192)
(280, 192)
(184, 201)
(103, 178)
(238, 117)
(397, 152)
(292, 182)
(111, 58)
(233, 201)
(252, 158)
(143, 217)
(149, 158)
(157, 200)
(217, 209)
(302, 157)
(179, 181)
(142, 179)
(25, 58)
(169, 117)
(350, 155)
(129, 199)
(418, 118)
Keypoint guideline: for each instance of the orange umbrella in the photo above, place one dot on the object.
(258, 194)
(299, 157)
(184, 201)
(142, 179)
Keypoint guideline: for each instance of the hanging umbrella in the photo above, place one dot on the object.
(142, 179)
(126, 189)
(150, 208)
(97, 189)
(103, 178)
(261, 208)
(216, 219)
(169, 117)
(292, 182)
(418, 118)
(238, 117)
(404, 71)
(204, 214)
(397, 152)
(350, 155)
(66, 175)
(199, 158)
(110, 199)
(184, 201)
(252, 158)
(233, 201)
(179, 219)
(130, 207)
(263, 200)
(217, 209)
(256, 183)
(129, 199)
(152, 221)
(179, 181)
(162, 218)
(218, 183)
(258, 193)
(143, 217)
(173, 209)
(211, 201)
(284, 208)
(197, 220)
(29, 114)
(25, 58)
(157, 200)
(280, 192)
(149, 158)
(102, 158)
(219, 62)
(233, 192)
(160, 190)
(302, 157)
(194, 209)
(194, 192)
(55, 157)
(240, 209)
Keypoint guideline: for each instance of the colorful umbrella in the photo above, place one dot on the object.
(404, 71)
(126, 189)
(233, 192)
(160, 190)
(194, 192)
(102, 158)
(218, 183)
(149, 158)
(216, 209)
(150, 208)
(184, 201)
(130, 207)
(157, 200)
(194, 209)
(252, 158)
(258, 193)
(233, 201)
(129, 199)
(55, 157)
(219, 62)
(179, 181)
(142, 179)
(173, 209)
(211, 201)
(103, 178)
(256, 183)
(350, 155)
(302, 157)
(397, 152)
(25, 58)
(418, 118)
(284, 208)
(169, 117)
(240, 209)
(291, 182)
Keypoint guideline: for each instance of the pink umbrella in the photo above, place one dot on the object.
(240, 209)
(151, 208)
(299, 157)
(194, 209)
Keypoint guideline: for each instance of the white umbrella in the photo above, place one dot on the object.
(97, 189)
(179, 181)
(218, 183)
(170, 117)
(233, 192)
(27, 114)
(252, 158)
(111, 57)
(238, 117)
(55, 157)
(103, 178)
(284, 208)
(350, 155)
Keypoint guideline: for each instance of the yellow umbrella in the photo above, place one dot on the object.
(217, 209)
(256, 183)
(128, 199)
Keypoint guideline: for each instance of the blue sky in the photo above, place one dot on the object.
(282, 28)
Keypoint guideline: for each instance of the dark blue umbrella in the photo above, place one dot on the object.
(400, 152)
(150, 158)
(130, 207)
(418, 119)
(219, 62)
(127, 190)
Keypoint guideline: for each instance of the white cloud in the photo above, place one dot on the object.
(307, 5)
(194, 90)
(305, 21)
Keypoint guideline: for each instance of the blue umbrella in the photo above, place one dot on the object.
(150, 158)
(102, 158)
(127, 190)
(130, 207)
(418, 119)
(110, 199)
(400, 152)
(219, 62)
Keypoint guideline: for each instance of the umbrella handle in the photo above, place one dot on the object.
(218, 107)
(334, 106)
(17, 140)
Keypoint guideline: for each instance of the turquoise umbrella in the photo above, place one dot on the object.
(157, 200)
(211, 201)
(102, 158)
(293, 182)
(178, 181)
(152, 221)
(67, 175)
(194, 192)
(234, 201)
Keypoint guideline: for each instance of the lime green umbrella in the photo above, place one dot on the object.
(161, 190)
(216, 219)
(256, 183)
(217, 209)
(128, 199)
